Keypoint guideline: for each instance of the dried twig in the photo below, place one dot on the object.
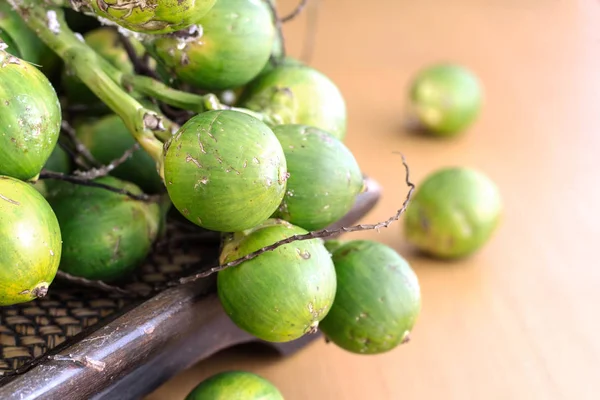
(93, 284)
(69, 150)
(140, 65)
(279, 28)
(178, 116)
(324, 233)
(79, 147)
(296, 11)
(86, 182)
(107, 169)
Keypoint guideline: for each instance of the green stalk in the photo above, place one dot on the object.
(96, 73)
(177, 98)
(158, 90)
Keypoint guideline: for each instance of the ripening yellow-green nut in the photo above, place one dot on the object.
(453, 213)
(377, 301)
(280, 295)
(235, 385)
(225, 171)
(30, 118)
(235, 45)
(30, 243)
(446, 99)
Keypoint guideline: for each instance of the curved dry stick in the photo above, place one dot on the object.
(140, 67)
(93, 284)
(324, 233)
(104, 170)
(79, 147)
(279, 28)
(299, 8)
(87, 182)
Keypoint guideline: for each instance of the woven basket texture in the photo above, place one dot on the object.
(30, 330)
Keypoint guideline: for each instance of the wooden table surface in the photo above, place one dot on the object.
(521, 318)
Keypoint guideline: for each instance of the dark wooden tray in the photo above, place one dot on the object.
(84, 343)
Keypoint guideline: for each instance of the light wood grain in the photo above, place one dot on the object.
(519, 320)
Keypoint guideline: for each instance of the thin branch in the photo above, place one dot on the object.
(73, 156)
(93, 284)
(279, 28)
(86, 182)
(324, 233)
(296, 11)
(140, 65)
(79, 147)
(177, 115)
(107, 169)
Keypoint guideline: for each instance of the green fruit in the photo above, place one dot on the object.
(281, 295)
(453, 213)
(107, 138)
(152, 16)
(30, 243)
(105, 235)
(106, 42)
(235, 44)
(225, 171)
(294, 93)
(377, 302)
(446, 99)
(324, 177)
(230, 385)
(30, 118)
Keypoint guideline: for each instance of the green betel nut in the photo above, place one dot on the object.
(225, 171)
(293, 93)
(453, 213)
(378, 298)
(234, 46)
(446, 99)
(231, 385)
(280, 295)
(324, 177)
(30, 118)
(106, 235)
(30, 243)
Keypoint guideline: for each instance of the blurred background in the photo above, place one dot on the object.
(520, 318)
